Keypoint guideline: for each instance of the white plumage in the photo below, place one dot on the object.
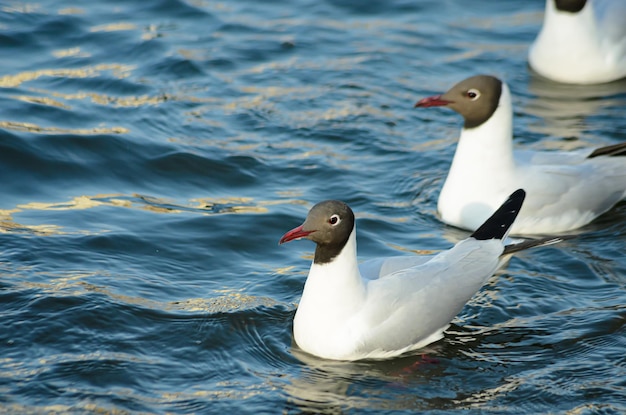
(565, 190)
(348, 316)
(584, 47)
(387, 306)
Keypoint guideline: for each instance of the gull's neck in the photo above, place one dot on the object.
(335, 283)
(333, 292)
(490, 144)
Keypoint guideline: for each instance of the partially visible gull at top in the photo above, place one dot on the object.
(581, 42)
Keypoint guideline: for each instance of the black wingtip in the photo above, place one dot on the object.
(535, 243)
(615, 150)
(498, 224)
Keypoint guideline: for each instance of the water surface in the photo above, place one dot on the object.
(153, 153)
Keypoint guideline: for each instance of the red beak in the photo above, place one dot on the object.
(434, 101)
(294, 234)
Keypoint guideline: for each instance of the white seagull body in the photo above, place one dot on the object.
(391, 305)
(566, 190)
(581, 42)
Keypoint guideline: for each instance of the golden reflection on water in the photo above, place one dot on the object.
(7, 224)
(478, 399)
(41, 101)
(71, 10)
(73, 52)
(203, 206)
(331, 64)
(75, 283)
(232, 390)
(34, 128)
(258, 98)
(117, 70)
(229, 301)
(234, 204)
(493, 22)
(21, 8)
(16, 408)
(288, 270)
(79, 202)
(114, 27)
(69, 283)
(102, 99)
(41, 230)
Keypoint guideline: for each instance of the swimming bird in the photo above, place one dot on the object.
(581, 42)
(566, 190)
(388, 306)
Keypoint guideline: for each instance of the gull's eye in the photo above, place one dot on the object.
(473, 94)
(334, 220)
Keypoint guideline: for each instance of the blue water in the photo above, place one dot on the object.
(153, 153)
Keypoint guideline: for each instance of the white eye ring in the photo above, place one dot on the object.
(473, 94)
(334, 220)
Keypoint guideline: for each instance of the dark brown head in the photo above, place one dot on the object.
(570, 6)
(328, 224)
(475, 98)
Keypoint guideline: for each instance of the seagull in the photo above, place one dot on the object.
(352, 312)
(581, 42)
(566, 190)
